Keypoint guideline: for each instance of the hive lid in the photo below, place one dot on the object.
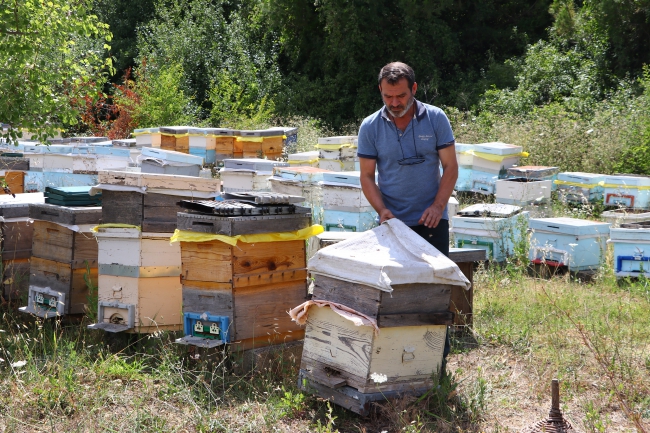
(580, 177)
(569, 226)
(627, 180)
(303, 156)
(490, 210)
(388, 255)
(498, 148)
(343, 139)
(174, 129)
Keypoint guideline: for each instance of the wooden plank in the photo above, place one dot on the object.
(162, 181)
(415, 298)
(211, 298)
(329, 380)
(85, 247)
(461, 255)
(15, 279)
(364, 299)
(17, 235)
(122, 207)
(61, 278)
(52, 241)
(269, 278)
(417, 319)
(206, 261)
(159, 302)
(14, 163)
(461, 301)
(339, 344)
(65, 215)
(317, 368)
(16, 254)
(262, 310)
(162, 207)
(152, 225)
(159, 252)
(264, 257)
(267, 340)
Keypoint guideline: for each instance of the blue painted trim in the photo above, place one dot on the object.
(619, 261)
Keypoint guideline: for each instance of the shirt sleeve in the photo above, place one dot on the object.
(366, 142)
(444, 133)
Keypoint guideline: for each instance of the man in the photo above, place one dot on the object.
(407, 141)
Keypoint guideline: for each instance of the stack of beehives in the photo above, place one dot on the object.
(342, 205)
(259, 143)
(64, 259)
(299, 180)
(17, 231)
(139, 271)
(243, 263)
(337, 153)
(249, 174)
(377, 321)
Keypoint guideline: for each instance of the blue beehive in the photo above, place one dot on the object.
(575, 243)
(578, 187)
(209, 155)
(536, 172)
(464, 181)
(496, 228)
(340, 221)
(628, 191)
(484, 182)
(170, 156)
(631, 249)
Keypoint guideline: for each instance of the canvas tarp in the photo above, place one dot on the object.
(387, 255)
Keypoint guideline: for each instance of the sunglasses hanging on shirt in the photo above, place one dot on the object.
(411, 160)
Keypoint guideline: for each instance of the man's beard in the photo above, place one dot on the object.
(404, 111)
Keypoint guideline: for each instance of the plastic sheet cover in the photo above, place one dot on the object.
(388, 255)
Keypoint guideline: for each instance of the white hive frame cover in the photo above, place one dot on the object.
(390, 254)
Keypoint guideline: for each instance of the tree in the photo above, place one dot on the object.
(51, 55)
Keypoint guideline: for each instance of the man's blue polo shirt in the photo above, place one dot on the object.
(407, 190)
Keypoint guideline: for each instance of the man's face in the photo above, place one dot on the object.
(397, 97)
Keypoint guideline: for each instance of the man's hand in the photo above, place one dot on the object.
(385, 215)
(432, 215)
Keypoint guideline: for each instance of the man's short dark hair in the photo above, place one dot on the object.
(395, 71)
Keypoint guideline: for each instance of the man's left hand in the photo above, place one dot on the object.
(432, 216)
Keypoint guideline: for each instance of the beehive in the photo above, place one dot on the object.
(495, 228)
(403, 311)
(147, 137)
(251, 284)
(627, 190)
(64, 255)
(522, 191)
(17, 232)
(139, 288)
(175, 138)
(574, 243)
(631, 243)
(578, 187)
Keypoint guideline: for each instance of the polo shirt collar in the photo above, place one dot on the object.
(420, 111)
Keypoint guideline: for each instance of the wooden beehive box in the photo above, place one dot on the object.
(64, 255)
(15, 181)
(253, 284)
(175, 138)
(154, 212)
(400, 288)
(413, 323)
(17, 231)
(139, 286)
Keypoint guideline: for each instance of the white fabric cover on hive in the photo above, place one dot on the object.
(390, 254)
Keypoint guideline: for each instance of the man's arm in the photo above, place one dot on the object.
(371, 190)
(432, 215)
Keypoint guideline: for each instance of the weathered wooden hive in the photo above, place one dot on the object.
(139, 287)
(17, 233)
(235, 271)
(381, 312)
(150, 201)
(64, 255)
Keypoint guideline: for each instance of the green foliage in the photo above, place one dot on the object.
(161, 98)
(51, 55)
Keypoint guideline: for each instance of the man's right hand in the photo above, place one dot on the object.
(385, 215)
